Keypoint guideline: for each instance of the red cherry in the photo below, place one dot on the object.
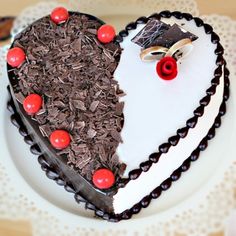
(32, 104)
(166, 68)
(103, 178)
(59, 15)
(15, 57)
(106, 33)
(60, 139)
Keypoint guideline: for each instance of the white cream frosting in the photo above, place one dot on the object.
(155, 109)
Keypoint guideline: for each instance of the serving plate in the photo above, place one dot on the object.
(26, 192)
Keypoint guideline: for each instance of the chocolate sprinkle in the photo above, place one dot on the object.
(73, 72)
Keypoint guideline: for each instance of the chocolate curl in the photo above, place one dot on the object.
(153, 53)
(179, 50)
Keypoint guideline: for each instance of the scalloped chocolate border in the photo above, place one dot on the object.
(172, 141)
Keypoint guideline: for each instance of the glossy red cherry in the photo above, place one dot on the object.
(103, 178)
(106, 33)
(15, 57)
(32, 104)
(167, 68)
(60, 139)
(59, 15)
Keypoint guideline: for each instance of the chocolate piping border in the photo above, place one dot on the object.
(198, 112)
(51, 174)
(153, 158)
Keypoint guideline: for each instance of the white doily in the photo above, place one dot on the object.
(209, 209)
(139, 7)
(32, 13)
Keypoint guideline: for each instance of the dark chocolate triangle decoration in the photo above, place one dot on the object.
(153, 29)
(172, 36)
(158, 33)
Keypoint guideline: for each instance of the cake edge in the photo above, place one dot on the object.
(52, 174)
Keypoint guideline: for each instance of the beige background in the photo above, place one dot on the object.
(226, 7)
(12, 7)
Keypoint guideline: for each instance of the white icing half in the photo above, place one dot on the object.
(148, 181)
(155, 109)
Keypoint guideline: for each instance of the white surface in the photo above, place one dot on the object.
(125, 199)
(26, 193)
(154, 108)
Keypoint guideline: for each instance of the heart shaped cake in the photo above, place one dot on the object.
(116, 119)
